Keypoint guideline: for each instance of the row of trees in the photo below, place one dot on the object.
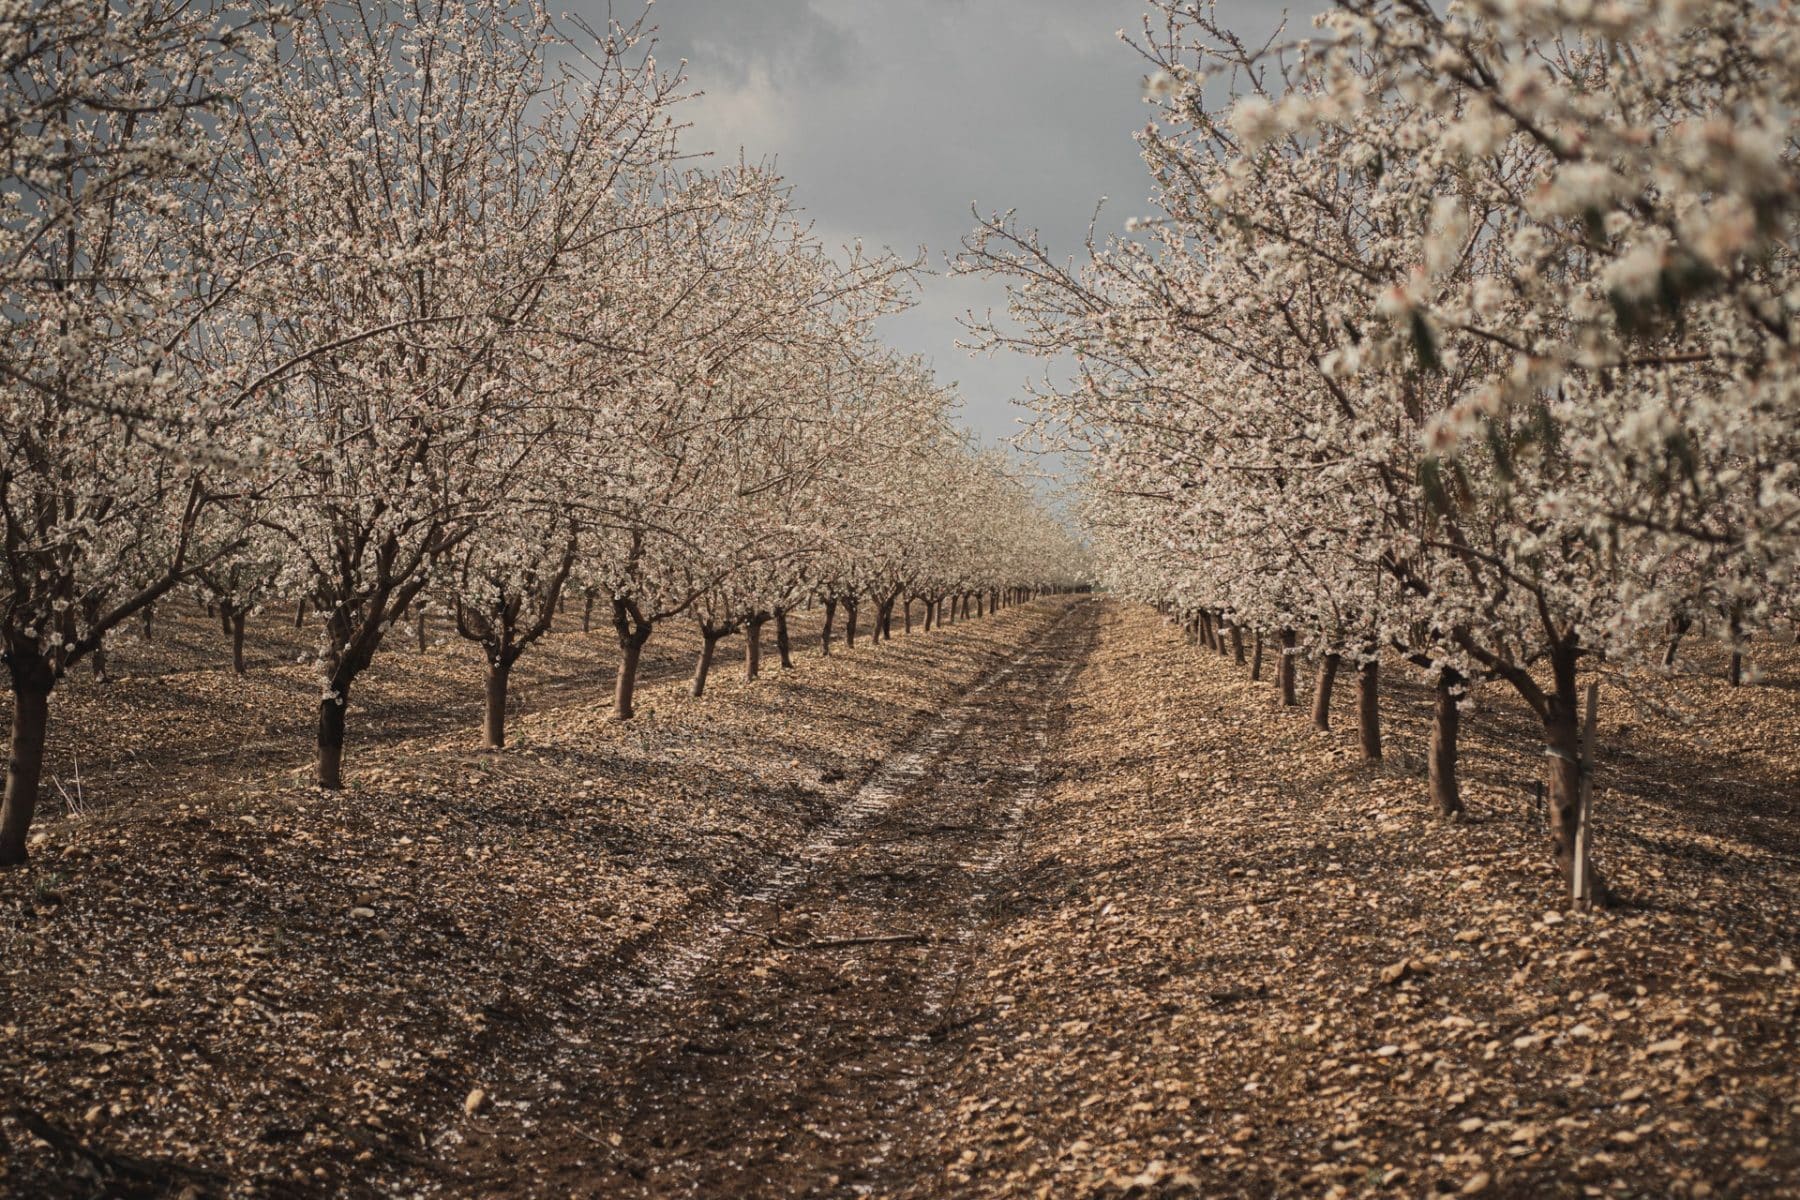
(381, 305)
(1467, 334)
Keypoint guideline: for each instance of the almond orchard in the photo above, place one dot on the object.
(523, 682)
(1466, 338)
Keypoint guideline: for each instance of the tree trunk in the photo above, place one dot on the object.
(703, 665)
(1237, 643)
(1678, 627)
(906, 616)
(1562, 770)
(1219, 637)
(783, 646)
(1446, 720)
(830, 616)
(237, 641)
(1256, 659)
(1284, 671)
(630, 652)
(979, 598)
(851, 604)
(1321, 709)
(1734, 673)
(493, 726)
(419, 628)
(300, 613)
(587, 615)
(632, 636)
(753, 647)
(24, 766)
(331, 738)
(1562, 778)
(1368, 709)
(149, 619)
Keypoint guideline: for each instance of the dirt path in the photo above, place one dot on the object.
(267, 991)
(1242, 963)
(1045, 905)
(787, 1046)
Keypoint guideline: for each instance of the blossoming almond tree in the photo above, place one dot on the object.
(1654, 235)
(881, 499)
(1626, 368)
(416, 166)
(240, 583)
(747, 294)
(370, 302)
(114, 124)
(1359, 344)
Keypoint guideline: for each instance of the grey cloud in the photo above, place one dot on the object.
(801, 41)
(891, 117)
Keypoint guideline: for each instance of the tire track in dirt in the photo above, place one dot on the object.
(670, 969)
(789, 1046)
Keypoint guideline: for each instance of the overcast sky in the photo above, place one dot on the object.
(891, 117)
